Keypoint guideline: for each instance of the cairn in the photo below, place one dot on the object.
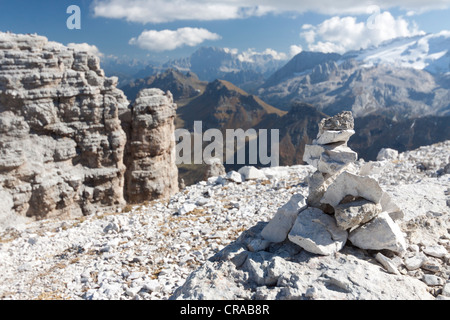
(342, 204)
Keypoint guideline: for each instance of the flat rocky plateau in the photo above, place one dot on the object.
(204, 243)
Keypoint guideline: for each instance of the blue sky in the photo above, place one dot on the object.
(160, 30)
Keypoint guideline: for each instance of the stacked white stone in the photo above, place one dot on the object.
(341, 203)
(330, 155)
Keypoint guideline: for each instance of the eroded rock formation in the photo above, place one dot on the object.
(150, 160)
(61, 138)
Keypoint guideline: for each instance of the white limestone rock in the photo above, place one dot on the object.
(416, 261)
(372, 168)
(378, 234)
(437, 251)
(329, 158)
(319, 182)
(387, 263)
(234, 176)
(278, 228)
(351, 184)
(332, 136)
(389, 206)
(215, 168)
(312, 154)
(433, 280)
(186, 208)
(276, 172)
(252, 173)
(387, 154)
(327, 165)
(317, 232)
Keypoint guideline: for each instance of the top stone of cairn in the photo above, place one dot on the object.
(341, 121)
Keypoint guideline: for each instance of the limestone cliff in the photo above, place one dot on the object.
(61, 138)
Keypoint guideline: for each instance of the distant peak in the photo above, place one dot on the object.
(226, 86)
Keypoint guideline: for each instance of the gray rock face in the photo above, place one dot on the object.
(62, 141)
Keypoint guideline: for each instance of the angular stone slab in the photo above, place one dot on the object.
(280, 225)
(332, 136)
(391, 207)
(312, 154)
(378, 234)
(252, 173)
(327, 164)
(317, 232)
(327, 155)
(387, 263)
(350, 184)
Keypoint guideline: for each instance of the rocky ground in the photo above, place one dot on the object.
(147, 251)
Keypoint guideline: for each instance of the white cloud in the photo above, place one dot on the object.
(275, 54)
(343, 34)
(250, 55)
(231, 50)
(89, 48)
(164, 40)
(159, 11)
(294, 50)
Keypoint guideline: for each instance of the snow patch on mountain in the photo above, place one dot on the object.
(429, 52)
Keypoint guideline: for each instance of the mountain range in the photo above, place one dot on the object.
(402, 78)
(398, 92)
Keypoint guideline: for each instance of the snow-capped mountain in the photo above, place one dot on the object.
(211, 63)
(403, 78)
(430, 52)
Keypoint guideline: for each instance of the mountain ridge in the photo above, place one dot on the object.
(405, 77)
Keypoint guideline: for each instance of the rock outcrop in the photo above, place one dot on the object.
(61, 139)
(150, 156)
(62, 142)
(284, 271)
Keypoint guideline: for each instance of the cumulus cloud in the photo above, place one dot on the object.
(159, 11)
(295, 50)
(164, 40)
(89, 48)
(343, 34)
(251, 55)
(231, 50)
